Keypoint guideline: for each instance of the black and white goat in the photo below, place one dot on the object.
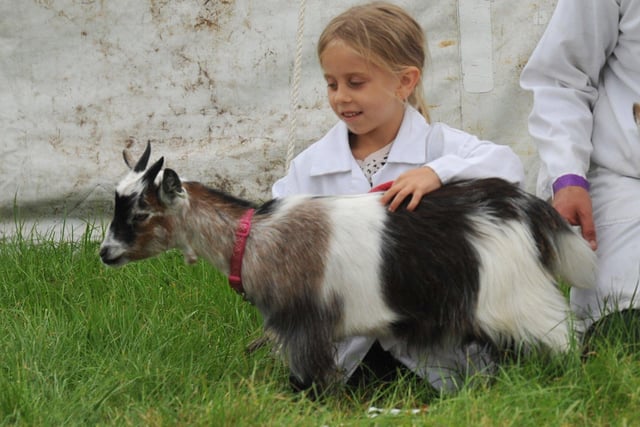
(476, 259)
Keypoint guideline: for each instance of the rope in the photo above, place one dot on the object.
(295, 86)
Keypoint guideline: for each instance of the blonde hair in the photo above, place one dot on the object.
(387, 36)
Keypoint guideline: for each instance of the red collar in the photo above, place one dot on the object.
(382, 187)
(235, 266)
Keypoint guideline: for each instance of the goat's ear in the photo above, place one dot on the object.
(171, 185)
(636, 113)
(151, 173)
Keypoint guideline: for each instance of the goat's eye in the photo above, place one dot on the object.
(141, 217)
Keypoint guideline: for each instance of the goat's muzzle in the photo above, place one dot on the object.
(109, 259)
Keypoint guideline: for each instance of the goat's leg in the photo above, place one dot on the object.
(311, 359)
(306, 335)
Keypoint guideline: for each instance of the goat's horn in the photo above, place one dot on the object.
(142, 163)
(150, 175)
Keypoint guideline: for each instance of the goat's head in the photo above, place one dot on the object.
(142, 223)
(636, 113)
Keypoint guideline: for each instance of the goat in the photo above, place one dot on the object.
(477, 259)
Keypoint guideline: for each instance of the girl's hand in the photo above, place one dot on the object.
(415, 183)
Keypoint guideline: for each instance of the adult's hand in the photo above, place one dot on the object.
(574, 204)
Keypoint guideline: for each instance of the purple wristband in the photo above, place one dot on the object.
(568, 181)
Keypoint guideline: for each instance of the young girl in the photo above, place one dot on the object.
(372, 57)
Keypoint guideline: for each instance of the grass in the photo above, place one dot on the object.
(162, 343)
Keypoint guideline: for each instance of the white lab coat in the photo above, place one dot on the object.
(328, 167)
(585, 77)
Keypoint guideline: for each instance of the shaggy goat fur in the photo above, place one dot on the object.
(476, 260)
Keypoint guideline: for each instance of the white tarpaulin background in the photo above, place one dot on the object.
(210, 82)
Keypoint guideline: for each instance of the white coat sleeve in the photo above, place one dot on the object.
(458, 155)
(563, 74)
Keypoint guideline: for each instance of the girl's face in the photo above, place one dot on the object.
(366, 97)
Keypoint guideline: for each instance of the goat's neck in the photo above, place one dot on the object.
(207, 225)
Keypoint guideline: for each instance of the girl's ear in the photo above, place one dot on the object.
(409, 78)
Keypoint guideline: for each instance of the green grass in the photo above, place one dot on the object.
(162, 343)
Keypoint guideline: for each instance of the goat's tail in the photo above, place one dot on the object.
(576, 262)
